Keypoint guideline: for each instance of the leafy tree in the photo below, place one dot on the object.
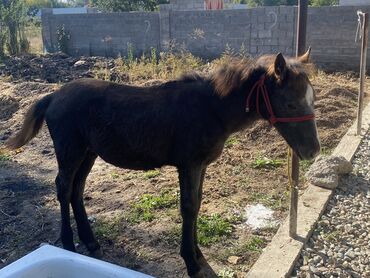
(127, 5)
(254, 3)
(76, 3)
(13, 18)
(317, 3)
(34, 5)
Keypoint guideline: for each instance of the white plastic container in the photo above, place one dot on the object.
(53, 262)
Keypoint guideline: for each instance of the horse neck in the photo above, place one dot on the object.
(232, 107)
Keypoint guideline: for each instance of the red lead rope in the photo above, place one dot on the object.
(260, 88)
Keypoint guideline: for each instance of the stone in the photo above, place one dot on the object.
(325, 170)
(313, 269)
(80, 63)
(350, 254)
(305, 268)
(234, 260)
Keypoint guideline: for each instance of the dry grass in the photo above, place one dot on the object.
(33, 34)
(149, 67)
(137, 218)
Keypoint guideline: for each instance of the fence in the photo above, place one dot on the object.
(331, 32)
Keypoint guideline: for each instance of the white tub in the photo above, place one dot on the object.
(53, 262)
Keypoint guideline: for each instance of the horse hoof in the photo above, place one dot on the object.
(209, 272)
(202, 261)
(206, 268)
(199, 274)
(97, 254)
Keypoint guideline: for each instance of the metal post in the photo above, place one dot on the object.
(364, 31)
(301, 47)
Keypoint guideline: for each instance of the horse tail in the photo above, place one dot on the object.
(32, 123)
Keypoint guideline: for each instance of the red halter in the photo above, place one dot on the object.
(260, 88)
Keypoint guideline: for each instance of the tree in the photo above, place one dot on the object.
(127, 5)
(13, 17)
(317, 3)
(254, 3)
(33, 6)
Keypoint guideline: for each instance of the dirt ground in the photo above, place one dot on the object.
(29, 211)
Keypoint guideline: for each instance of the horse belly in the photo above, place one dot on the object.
(132, 164)
(125, 157)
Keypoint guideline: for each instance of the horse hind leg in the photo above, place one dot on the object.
(70, 155)
(63, 182)
(85, 233)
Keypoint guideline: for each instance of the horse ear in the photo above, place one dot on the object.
(305, 57)
(280, 66)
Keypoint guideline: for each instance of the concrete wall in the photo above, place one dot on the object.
(331, 32)
(181, 5)
(259, 31)
(353, 2)
(102, 34)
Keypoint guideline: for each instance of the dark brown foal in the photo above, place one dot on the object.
(183, 123)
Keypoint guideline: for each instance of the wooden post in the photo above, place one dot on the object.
(301, 47)
(293, 211)
(364, 31)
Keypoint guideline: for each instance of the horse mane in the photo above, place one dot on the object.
(234, 72)
(191, 77)
(230, 74)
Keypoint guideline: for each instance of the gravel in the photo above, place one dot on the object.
(340, 244)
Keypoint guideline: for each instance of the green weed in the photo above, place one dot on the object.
(326, 151)
(226, 273)
(332, 236)
(275, 202)
(231, 141)
(4, 157)
(213, 229)
(108, 229)
(262, 162)
(114, 175)
(304, 165)
(151, 174)
(254, 244)
(146, 207)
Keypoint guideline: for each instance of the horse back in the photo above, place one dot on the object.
(136, 127)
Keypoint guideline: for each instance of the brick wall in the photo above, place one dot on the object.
(102, 34)
(331, 32)
(258, 31)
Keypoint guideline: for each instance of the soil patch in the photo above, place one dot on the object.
(29, 211)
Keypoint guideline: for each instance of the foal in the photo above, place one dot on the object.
(183, 123)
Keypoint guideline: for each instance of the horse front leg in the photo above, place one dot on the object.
(190, 178)
(206, 268)
(199, 253)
